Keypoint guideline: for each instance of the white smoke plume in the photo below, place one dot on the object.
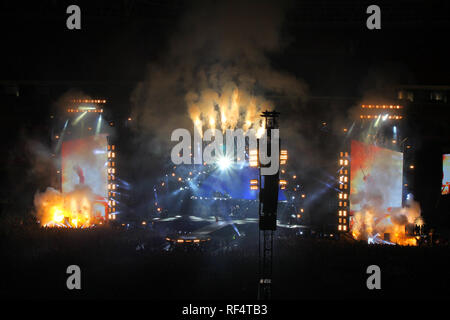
(216, 72)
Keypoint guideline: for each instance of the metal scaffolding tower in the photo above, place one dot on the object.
(268, 201)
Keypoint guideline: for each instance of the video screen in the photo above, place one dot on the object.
(446, 174)
(84, 164)
(376, 177)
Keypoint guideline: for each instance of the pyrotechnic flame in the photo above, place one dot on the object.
(58, 214)
(73, 210)
(212, 122)
(375, 202)
(260, 130)
(227, 108)
(371, 221)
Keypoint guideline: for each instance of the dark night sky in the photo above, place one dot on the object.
(327, 43)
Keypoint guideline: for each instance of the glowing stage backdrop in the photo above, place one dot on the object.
(234, 182)
(84, 164)
(446, 174)
(376, 177)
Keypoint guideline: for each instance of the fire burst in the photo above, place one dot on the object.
(73, 210)
(388, 228)
(59, 216)
(229, 109)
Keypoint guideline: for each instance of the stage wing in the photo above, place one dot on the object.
(376, 177)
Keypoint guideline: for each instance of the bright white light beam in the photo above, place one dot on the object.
(79, 118)
(99, 125)
(224, 163)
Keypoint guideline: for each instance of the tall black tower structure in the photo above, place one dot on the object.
(268, 202)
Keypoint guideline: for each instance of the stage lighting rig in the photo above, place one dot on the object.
(268, 201)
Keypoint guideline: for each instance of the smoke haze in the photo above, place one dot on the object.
(217, 72)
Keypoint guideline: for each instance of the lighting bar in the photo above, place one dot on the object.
(283, 156)
(84, 109)
(253, 158)
(377, 106)
(391, 117)
(88, 101)
(254, 184)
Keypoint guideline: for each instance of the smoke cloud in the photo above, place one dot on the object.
(216, 74)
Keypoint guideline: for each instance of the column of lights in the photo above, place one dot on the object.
(343, 193)
(253, 158)
(283, 161)
(283, 157)
(254, 163)
(112, 185)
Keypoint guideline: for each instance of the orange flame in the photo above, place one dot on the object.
(71, 210)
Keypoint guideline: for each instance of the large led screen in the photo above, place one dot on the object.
(84, 164)
(376, 177)
(446, 174)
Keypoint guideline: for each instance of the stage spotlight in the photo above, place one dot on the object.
(99, 125)
(224, 163)
(79, 118)
(61, 137)
(377, 121)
